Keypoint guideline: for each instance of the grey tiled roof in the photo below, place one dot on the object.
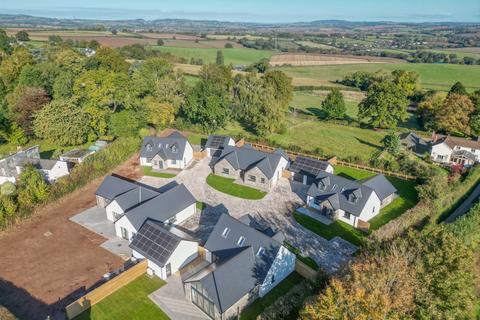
(246, 158)
(161, 207)
(134, 197)
(41, 164)
(238, 268)
(382, 187)
(113, 186)
(8, 164)
(171, 147)
(341, 193)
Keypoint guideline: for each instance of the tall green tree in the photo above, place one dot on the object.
(454, 114)
(384, 106)
(282, 87)
(220, 61)
(62, 121)
(22, 35)
(428, 109)
(126, 123)
(458, 88)
(12, 66)
(32, 188)
(108, 59)
(5, 47)
(28, 101)
(407, 81)
(334, 105)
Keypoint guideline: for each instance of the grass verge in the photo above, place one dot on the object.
(228, 186)
(128, 303)
(148, 171)
(307, 260)
(337, 228)
(256, 308)
(201, 205)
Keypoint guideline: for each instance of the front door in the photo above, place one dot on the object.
(168, 270)
(160, 164)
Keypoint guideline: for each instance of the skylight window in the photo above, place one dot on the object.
(241, 241)
(225, 232)
(260, 251)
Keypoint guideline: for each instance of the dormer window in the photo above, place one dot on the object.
(149, 147)
(334, 187)
(174, 149)
(160, 145)
(241, 241)
(260, 252)
(225, 232)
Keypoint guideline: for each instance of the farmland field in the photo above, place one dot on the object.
(297, 59)
(208, 55)
(432, 76)
(219, 44)
(311, 101)
(312, 44)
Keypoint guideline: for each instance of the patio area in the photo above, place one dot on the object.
(95, 219)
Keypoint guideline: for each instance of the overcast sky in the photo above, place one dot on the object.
(252, 10)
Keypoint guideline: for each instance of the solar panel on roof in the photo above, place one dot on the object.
(155, 243)
(217, 141)
(309, 165)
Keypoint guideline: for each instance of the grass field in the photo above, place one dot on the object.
(432, 76)
(257, 307)
(337, 228)
(208, 55)
(312, 103)
(228, 186)
(148, 171)
(128, 303)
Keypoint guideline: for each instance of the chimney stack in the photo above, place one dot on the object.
(434, 137)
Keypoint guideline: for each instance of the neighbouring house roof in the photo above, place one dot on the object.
(161, 207)
(77, 154)
(308, 166)
(382, 187)
(464, 153)
(341, 193)
(246, 157)
(155, 242)
(411, 139)
(40, 164)
(451, 142)
(239, 268)
(168, 148)
(217, 142)
(8, 165)
(113, 186)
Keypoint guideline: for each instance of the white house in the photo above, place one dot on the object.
(162, 153)
(349, 201)
(251, 167)
(454, 150)
(305, 169)
(215, 144)
(166, 248)
(245, 264)
(12, 166)
(170, 208)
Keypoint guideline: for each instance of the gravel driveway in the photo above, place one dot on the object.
(274, 210)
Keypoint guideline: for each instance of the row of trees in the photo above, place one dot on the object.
(456, 112)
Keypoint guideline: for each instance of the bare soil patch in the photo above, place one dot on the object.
(48, 261)
(297, 59)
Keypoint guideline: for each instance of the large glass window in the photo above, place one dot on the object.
(200, 299)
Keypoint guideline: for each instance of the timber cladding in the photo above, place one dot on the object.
(106, 289)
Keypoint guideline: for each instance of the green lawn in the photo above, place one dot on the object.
(337, 228)
(407, 199)
(256, 308)
(307, 260)
(432, 76)
(353, 173)
(208, 55)
(313, 104)
(201, 205)
(148, 171)
(128, 303)
(228, 186)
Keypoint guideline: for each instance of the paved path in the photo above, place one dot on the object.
(95, 219)
(170, 298)
(466, 205)
(275, 210)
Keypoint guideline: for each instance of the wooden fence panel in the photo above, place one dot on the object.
(106, 289)
(334, 161)
(304, 270)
